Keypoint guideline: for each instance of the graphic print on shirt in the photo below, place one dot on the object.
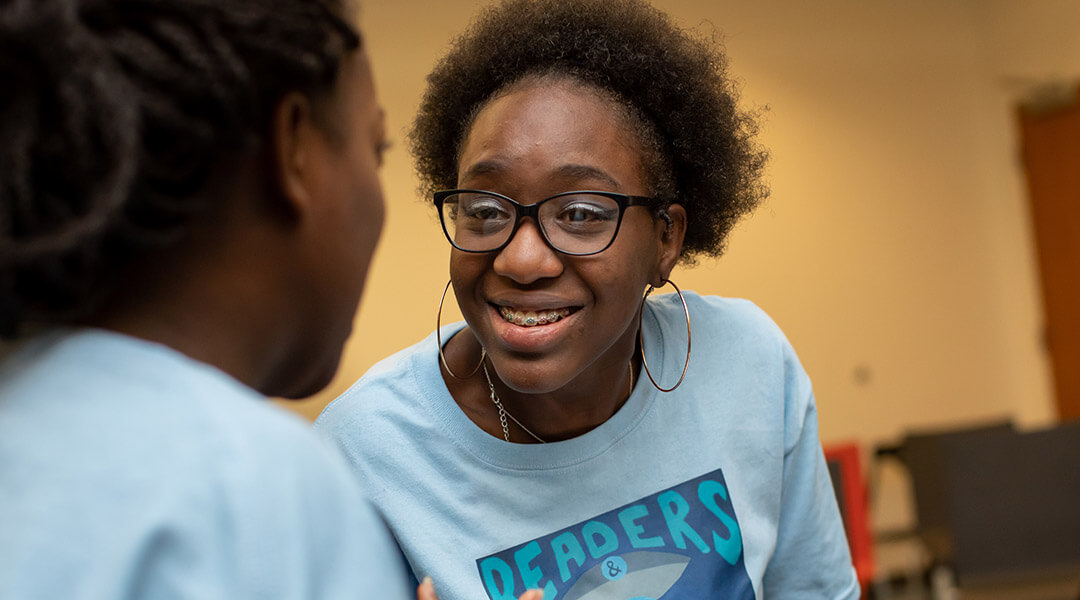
(682, 543)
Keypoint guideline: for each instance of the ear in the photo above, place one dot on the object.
(671, 243)
(293, 131)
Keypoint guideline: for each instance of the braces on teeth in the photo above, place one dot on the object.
(531, 318)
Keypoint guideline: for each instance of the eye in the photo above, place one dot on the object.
(381, 149)
(483, 209)
(480, 215)
(578, 213)
(587, 211)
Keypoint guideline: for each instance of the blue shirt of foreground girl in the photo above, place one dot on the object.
(125, 473)
(189, 202)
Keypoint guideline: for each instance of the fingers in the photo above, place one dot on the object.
(426, 591)
(532, 595)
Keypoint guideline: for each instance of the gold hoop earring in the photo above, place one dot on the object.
(641, 340)
(438, 340)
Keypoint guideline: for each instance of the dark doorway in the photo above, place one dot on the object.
(1050, 138)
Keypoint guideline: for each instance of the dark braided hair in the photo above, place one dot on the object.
(672, 84)
(113, 114)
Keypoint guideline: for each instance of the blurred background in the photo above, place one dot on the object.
(925, 289)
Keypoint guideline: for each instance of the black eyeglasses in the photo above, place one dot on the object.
(576, 223)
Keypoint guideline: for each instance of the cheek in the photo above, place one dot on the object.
(372, 213)
(618, 296)
(366, 200)
(633, 260)
(467, 271)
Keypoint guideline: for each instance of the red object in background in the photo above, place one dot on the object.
(850, 487)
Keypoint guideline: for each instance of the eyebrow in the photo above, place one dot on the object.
(484, 167)
(587, 172)
(570, 171)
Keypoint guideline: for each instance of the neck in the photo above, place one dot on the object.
(568, 414)
(576, 408)
(213, 302)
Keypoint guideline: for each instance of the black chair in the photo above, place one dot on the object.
(997, 506)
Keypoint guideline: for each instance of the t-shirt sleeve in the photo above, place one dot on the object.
(811, 559)
(365, 562)
(320, 538)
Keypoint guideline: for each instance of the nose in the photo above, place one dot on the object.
(528, 258)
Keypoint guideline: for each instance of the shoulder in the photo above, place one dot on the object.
(297, 516)
(392, 385)
(294, 500)
(715, 320)
(396, 416)
(737, 345)
(181, 453)
(146, 410)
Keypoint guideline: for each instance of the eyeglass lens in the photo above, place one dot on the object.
(576, 224)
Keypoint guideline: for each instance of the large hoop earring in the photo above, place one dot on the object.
(641, 340)
(438, 340)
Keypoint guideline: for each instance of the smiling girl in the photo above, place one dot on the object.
(575, 434)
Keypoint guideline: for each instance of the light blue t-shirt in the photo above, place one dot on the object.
(128, 470)
(716, 490)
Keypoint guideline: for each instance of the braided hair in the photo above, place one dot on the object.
(113, 115)
(698, 148)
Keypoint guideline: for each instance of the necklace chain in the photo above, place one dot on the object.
(503, 413)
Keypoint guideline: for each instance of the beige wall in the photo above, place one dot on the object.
(895, 250)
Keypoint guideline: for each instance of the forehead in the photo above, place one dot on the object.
(543, 127)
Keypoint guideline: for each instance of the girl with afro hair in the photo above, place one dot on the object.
(577, 434)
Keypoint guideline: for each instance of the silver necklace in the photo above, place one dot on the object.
(503, 413)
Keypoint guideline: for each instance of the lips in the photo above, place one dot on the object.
(533, 323)
(533, 318)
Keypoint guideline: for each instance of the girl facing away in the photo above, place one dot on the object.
(189, 202)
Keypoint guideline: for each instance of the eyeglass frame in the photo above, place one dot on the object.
(533, 210)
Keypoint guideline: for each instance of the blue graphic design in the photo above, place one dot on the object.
(614, 569)
(681, 543)
(651, 574)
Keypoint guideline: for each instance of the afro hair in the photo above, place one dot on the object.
(672, 83)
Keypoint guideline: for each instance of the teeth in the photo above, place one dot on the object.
(532, 318)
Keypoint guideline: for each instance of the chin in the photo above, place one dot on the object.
(528, 375)
(309, 365)
(303, 380)
(308, 389)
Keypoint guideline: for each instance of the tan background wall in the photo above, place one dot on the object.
(895, 251)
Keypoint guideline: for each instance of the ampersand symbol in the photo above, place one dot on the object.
(614, 568)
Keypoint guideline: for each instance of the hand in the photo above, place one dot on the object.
(426, 591)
